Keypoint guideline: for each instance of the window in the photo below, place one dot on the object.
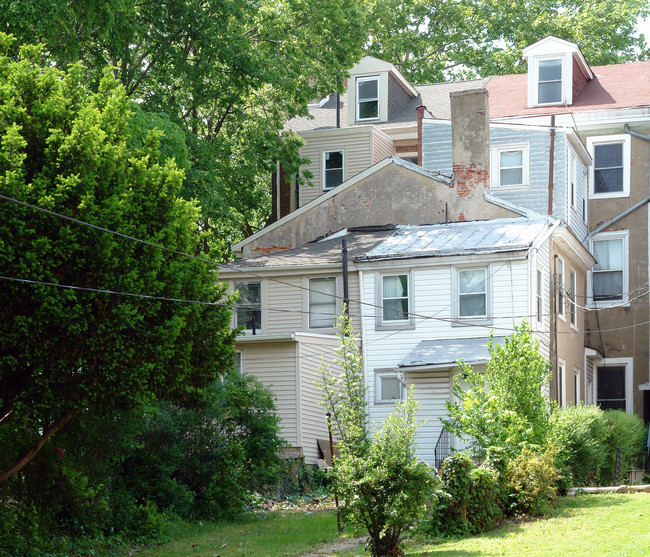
(572, 298)
(610, 390)
(576, 386)
(395, 298)
(333, 174)
(559, 286)
(237, 361)
(609, 275)
(611, 168)
(389, 387)
(472, 291)
(511, 164)
(368, 98)
(248, 308)
(322, 303)
(549, 82)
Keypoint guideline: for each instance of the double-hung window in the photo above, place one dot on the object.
(388, 387)
(322, 303)
(472, 293)
(248, 307)
(609, 277)
(611, 167)
(368, 98)
(572, 298)
(511, 167)
(333, 169)
(549, 81)
(395, 298)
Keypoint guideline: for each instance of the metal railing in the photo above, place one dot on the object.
(442, 449)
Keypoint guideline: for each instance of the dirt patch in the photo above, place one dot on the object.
(331, 548)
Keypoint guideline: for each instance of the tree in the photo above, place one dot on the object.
(66, 345)
(229, 72)
(381, 484)
(431, 40)
(507, 406)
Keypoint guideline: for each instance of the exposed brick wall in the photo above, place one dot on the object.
(470, 178)
(266, 251)
(406, 148)
(285, 195)
(420, 110)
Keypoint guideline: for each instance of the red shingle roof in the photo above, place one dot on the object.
(616, 86)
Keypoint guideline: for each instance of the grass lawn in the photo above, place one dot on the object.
(584, 525)
(278, 534)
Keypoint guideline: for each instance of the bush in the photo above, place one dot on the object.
(531, 482)
(468, 499)
(628, 432)
(577, 433)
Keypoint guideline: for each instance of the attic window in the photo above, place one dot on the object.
(549, 85)
(368, 98)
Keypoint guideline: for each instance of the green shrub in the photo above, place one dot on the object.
(468, 499)
(628, 432)
(531, 482)
(577, 433)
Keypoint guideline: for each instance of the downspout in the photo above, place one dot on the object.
(346, 293)
(551, 163)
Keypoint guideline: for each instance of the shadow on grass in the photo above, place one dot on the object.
(564, 507)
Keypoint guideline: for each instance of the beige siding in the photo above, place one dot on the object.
(274, 364)
(356, 143)
(382, 146)
(282, 293)
(313, 421)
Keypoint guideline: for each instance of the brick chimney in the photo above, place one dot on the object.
(470, 141)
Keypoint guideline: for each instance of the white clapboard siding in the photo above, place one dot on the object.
(383, 146)
(282, 295)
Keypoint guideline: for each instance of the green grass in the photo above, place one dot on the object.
(584, 525)
(277, 534)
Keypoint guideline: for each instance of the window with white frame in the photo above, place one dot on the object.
(549, 81)
(368, 98)
(561, 384)
(559, 286)
(388, 387)
(540, 296)
(237, 361)
(322, 302)
(611, 165)
(248, 307)
(395, 298)
(333, 169)
(572, 298)
(609, 277)
(576, 386)
(472, 287)
(510, 164)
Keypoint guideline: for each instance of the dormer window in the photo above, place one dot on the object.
(368, 98)
(549, 86)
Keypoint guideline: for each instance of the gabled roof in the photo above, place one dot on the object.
(460, 238)
(433, 175)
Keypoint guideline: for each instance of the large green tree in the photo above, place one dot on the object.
(229, 72)
(63, 350)
(431, 40)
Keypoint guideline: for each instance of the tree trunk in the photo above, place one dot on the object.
(31, 453)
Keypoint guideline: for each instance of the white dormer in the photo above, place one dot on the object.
(557, 72)
(373, 87)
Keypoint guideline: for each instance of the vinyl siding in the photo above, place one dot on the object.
(436, 155)
(356, 143)
(274, 364)
(281, 295)
(382, 146)
(312, 352)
